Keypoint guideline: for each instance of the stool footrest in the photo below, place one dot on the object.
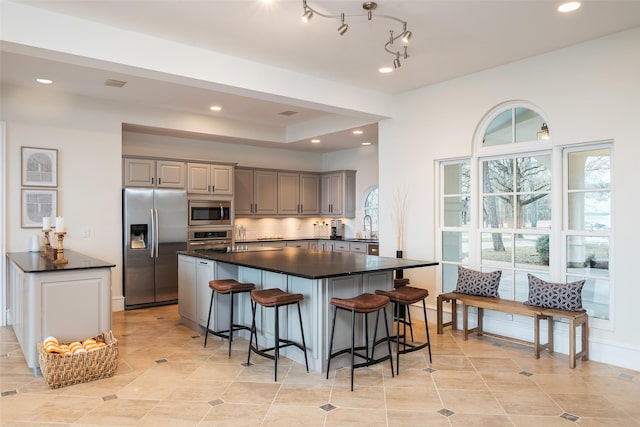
(225, 333)
(368, 360)
(264, 351)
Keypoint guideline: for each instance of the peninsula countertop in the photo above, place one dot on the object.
(35, 262)
(309, 264)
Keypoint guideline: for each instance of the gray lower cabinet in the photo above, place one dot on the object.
(194, 293)
(187, 287)
(302, 244)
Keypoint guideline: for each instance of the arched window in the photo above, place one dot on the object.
(525, 204)
(371, 209)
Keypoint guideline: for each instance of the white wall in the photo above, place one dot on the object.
(589, 92)
(363, 159)
(134, 143)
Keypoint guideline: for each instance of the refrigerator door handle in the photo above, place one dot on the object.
(152, 234)
(157, 228)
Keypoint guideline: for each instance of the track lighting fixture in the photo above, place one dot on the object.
(369, 7)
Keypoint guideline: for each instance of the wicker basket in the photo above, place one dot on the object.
(61, 370)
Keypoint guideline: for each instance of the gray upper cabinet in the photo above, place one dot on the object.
(338, 194)
(153, 173)
(256, 192)
(204, 178)
(298, 193)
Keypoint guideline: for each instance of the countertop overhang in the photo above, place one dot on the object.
(311, 264)
(36, 262)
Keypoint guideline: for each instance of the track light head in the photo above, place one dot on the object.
(344, 27)
(406, 37)
(308, 14)
(396, 62)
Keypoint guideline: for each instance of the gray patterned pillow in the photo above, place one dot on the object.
(472, 282)
(561, 296)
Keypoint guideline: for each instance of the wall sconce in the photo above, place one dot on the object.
(543, 133)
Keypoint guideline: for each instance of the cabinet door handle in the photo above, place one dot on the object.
(301, 208)
(159, 181)
(152, 181)
(213, 188)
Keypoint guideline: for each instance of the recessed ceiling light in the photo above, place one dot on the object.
(569, 6)
(357, 132)
(366, 143)
(44, 81)
(315, 141)
(385, 70)
(215, 108)
(114, 83)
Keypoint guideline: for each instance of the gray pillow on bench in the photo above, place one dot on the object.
(472, 282)
(560, 296)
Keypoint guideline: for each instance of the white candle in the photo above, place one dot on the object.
(46, 223)
(59, 224)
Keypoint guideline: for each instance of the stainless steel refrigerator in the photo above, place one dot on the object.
(155, 228)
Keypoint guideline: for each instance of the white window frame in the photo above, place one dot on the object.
(559, 199)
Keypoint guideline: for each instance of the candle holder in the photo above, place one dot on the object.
(47, 244)
(60, 250)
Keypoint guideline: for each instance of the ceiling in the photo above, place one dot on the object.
(450, 39)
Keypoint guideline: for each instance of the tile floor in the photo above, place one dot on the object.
(166, 378)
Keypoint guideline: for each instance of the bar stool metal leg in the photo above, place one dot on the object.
(206, 331)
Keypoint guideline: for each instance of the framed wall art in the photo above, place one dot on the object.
(39, 167)
(37, 204)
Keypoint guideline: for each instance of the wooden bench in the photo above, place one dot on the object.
(518, 308)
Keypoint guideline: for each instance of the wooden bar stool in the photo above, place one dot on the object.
(224, 287)
(275, 298)
(362, 304)
(403, 297)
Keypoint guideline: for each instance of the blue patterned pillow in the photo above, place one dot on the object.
(472, 282)
(560, 296)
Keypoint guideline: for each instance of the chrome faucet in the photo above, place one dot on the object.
(364, 224)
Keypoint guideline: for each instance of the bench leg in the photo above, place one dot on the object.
(454, 314)
(572, 344)
(465, 320)
(536, 336)
(550, 334)
(480, 316)
(439, 302)
(585, 339)
(440, 312)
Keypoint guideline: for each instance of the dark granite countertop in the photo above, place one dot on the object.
(311, 264)
(292, 239)
(35, 262)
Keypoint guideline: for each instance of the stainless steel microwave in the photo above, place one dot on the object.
(209, 212)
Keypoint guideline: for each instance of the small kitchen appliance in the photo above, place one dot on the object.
(336, 229)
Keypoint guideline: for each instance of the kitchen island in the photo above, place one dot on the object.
(68, 301)
(318, 275)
